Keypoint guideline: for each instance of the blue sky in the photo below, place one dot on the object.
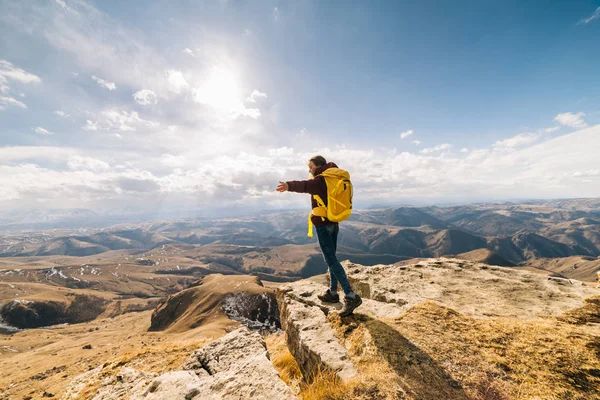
(158, 105)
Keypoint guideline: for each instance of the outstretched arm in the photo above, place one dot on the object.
(282, 187)
(312, 186)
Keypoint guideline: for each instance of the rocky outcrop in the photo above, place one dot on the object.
(310, 339)
(309, 336)
(236, 366)
(389, 290)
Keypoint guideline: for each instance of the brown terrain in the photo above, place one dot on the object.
(44, 360)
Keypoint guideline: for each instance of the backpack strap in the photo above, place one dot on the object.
(320, 211)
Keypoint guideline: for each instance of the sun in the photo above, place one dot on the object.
(220, 90)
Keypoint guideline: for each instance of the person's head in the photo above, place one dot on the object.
(315, 162)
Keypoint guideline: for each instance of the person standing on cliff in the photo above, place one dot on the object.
(327, 232)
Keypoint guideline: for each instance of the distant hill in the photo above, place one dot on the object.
(453, 241)
(485, 256)
(575, 267)
(206, 302)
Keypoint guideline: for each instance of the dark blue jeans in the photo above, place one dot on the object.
(328, 240)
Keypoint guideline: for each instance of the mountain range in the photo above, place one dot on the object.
(512, 233)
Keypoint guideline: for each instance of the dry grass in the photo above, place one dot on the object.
(589, 312)
(324, 385)
(283, 361)
(376, 379)
(374, 349)
(502, 358)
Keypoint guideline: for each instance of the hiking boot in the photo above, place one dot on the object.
(350, 304)
(329, 297)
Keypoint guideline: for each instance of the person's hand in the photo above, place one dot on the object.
(282, 187)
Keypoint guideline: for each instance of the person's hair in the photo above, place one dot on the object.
(319, 161)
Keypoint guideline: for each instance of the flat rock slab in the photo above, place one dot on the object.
(469, 287)
(236, 366)
(306, 291)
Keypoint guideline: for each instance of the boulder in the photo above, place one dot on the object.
(236, 366)
(310, 338)
(113, 387)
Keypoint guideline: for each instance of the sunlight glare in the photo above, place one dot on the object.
(220, 91)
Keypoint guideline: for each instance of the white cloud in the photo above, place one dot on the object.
(90, 125)
(430, 150)
(275, 14)
(256, 95)
(61, 3)
(43, 131)
(406, 134)
(61, 114)
(282, 151)
(105, 84)
(595, 15)
(9, 101)
(77, 162)
(246, 112)
(588, 173)
(559, 167)
(9, 71)
(172, 161)
(38, 153)
(520, 140)
(571, 120)
(189, 51)
(464, 150)
(145, 97)
(416, 142)
(247, 32)
(176, 80)
(119, 120)
(552, 129)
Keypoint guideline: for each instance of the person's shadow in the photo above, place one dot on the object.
(421, 377)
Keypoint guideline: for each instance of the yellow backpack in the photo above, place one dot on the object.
(339, 198)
